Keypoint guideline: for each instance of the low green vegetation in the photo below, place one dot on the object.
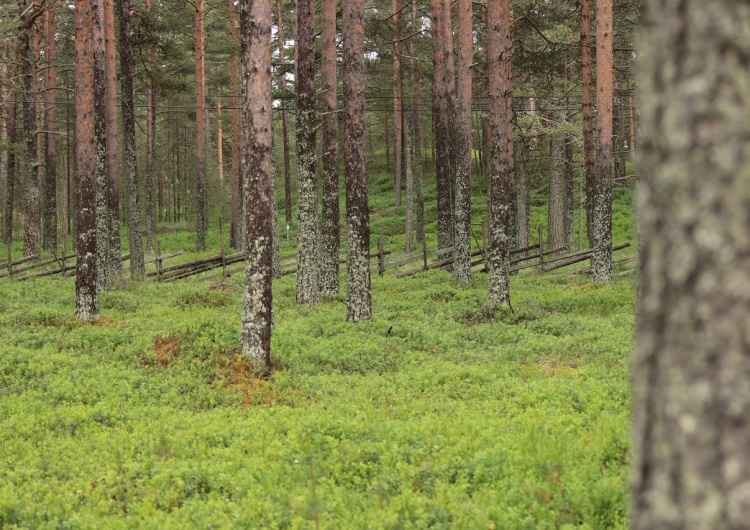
(437, 414)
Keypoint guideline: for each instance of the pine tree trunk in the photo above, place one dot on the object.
(308, 280)
(137, 265)
(398, 105)
(255, 23)
(524, 197)
(284, 127)
(219, 138)
(417, 126)
(150, 138)
(234, 229)
(29, 94)
(100, 148)
(10, 188)
(556, 208)
(201, 206)
(114, 261)
(87, 300)
(589, 159)
(502, 181)
(49, 224)
(5, 97)
(570, 207)
(601, 261)
(691, 430)
(409, 156)
(330, 236)
(443, 174)
(462, 209)
(358, 290)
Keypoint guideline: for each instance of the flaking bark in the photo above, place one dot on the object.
(114, 261)
(100, 148)
(201, 199)
(49, 209)
(358, 288)
(589, 158)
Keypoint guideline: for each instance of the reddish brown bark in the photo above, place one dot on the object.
(219, 138)
(358, 292)
(114, 261)
(601, 261)
(255, 21)
(330, 236)
(87, 301)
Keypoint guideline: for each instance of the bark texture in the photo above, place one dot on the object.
(308, 278)
(358, 291)
(556, 205)
(49, 223)
(29, 93)
(114, 261)
(462, 209)
(329, 230)
(691, 368)
(601, 261)
(137, 264)
(398, 105)
(150, 139)
(87, 299)
(201, 199)
(234, 228)
(255, 23)
(100, 148)
(284, 125)
(589, 159)
(416, 124)
(502, 181)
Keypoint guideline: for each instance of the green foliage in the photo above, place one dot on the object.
(437, 414)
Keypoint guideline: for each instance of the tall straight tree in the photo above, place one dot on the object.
(690, 464)
(201, 205)
(556, 202)
(308, 278)
(234, 229)
(284, 122)
(358, 287)
(49, 222)
(462, 210)
(12, 116)
(330, 236)
(114, 258)
(589, 159)
(416, 122)
(502, 180)
(441, 89)
(87, 299)
(150, 140)
(100, 147)
(137, 265)
(30, 12)
(255, 24)
(601, 261)
(398, 104)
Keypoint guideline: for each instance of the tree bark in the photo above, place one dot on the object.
(234, 229)
(416, 125)
(308, 279)
(556, 204)
(100, 148)
(601, 262)
(359, 294)
(398, 105)
(219, 138)
(502, 181)
(12, 139)
(49, 225)
(150, 138)
(30, 92)
(690, 465)
(330, 230)
(255, 22)
(87, 299)
(284, 127)
(589, 160)
(114, 261)
(137, 264)
(201, 206)
(462, 209)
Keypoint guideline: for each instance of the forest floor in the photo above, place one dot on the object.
(436, 414)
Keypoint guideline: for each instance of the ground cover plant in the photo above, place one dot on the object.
(437, 414)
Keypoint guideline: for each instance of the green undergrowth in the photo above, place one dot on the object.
(437, 414)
